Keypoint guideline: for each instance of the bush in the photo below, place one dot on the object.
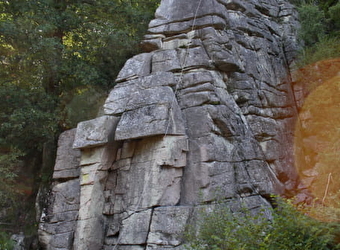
(5, 242)
(320, 30)
(287, 229)
(313, 24)
(326, 48)
(334, 14)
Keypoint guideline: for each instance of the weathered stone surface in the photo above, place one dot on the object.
(206, 114)
(58, 220)
(135, 228)
(96, 132)
(151, 176)
(147, 111)
(125, 247)
(175, 16)
(157, 247)
(168, 225)
(124, 96)
(151, 120)
(165, 60)
(103, 156)
(89, 234)
(58, 224)
(140, 62)
(90, 224)
(67, 161)
(19, 242)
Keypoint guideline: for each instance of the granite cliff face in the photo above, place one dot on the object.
(207, 111)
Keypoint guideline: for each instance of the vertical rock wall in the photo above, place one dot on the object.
(59, 219)
(206, 112)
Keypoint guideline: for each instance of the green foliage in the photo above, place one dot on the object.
(220, 229)
(288, 229)
(5, 242)
(334, 15)
(327, 47)
(59, 45)
(320, 30)
(54, 52)
(292, 229)
(80, 104)
(15, 200)
(27, 117)
(58, 59)
(330, 213)
(51, 49)
(313, 26)
(326, 4)
(8, 163)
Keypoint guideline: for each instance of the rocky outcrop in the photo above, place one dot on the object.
(205, 113)
(59, 218)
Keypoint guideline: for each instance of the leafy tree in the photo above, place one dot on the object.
(55, 51)
(58, 59)
(69, 43)
(313, 26)
(326, 4)
(334, 17)
(320, 30)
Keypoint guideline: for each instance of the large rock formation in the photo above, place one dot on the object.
(205, 113)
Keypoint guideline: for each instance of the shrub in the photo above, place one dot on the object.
(313, 24)
(326, 48)
(287, 229)
(334, 13)
(5, 242)
(320, 30)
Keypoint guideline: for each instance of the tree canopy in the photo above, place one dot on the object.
(320, 19)
(53, 51)
(58, 59)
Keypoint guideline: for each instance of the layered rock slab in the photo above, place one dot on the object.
(204, 114)
(58, 220)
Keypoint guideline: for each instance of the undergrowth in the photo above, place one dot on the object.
(287, 229)
(327, 48)
(5, 242)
